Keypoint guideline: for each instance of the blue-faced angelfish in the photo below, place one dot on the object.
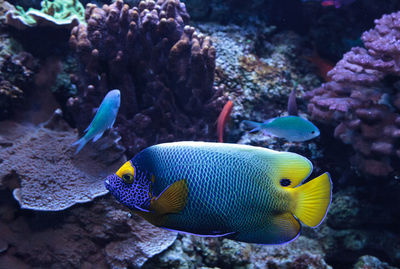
(103, 120)
(240, 192)
(292, 128)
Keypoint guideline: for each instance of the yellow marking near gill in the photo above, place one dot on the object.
(172, 200)
(127, 168)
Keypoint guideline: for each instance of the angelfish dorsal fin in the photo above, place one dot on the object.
(172, 199)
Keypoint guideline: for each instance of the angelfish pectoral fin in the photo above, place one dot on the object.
(172, 199)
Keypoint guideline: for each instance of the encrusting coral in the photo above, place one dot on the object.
(56, 13)
(163, 68)
(363, 98)
(50, 178)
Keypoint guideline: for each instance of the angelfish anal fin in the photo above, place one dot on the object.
(286, 228)
(171, 200)
(282, 229)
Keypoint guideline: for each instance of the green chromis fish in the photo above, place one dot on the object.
(240, 192)
(103, 120)
(292, 128)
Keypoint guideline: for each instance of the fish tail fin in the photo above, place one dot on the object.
(81, 143)
(312, 200)
(256, 125)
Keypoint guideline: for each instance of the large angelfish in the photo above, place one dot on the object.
(241, 192)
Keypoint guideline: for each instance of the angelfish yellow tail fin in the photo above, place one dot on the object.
(312, 200)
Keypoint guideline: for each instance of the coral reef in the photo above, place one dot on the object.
(56, 13)
(196, 252)
(361, 103)
(4, 8)
(97, 235)
(9, 96)
(256, 69)
(371, 262)
(357, 217)
(17, 70)
(163, 68)
(42, 161)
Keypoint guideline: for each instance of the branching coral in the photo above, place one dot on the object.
(56, 13)
(362, 100)
(164, 69)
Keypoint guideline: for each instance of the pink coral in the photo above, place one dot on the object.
(365, 109)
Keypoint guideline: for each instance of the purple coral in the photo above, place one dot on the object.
(360, 101)
(163, 67)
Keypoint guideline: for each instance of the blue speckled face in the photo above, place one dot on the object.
(130, 187)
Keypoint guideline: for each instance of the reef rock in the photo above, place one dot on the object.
(196, 252)
(371, 262)
(94, 235)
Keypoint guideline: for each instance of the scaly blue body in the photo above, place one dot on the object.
(233, 190)
(103, 120)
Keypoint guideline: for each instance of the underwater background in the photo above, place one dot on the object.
(177, 64)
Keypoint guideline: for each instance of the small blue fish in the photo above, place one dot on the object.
(103, 120)
(292, 128)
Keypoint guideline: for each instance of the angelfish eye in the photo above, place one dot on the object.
(127, 178)
(313, 132)
(285, 182)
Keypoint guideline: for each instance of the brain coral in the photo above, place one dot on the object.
(163, 67)
(50, 177)
(363, 99)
